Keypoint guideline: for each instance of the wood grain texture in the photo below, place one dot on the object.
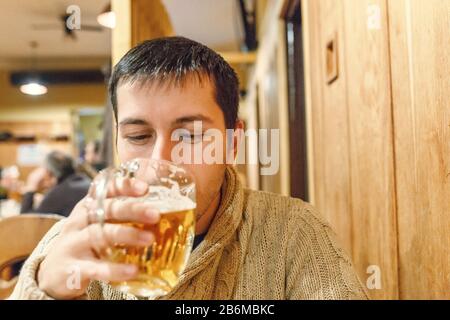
(307, 74)
(374, 233)
(149, 20)
(269, 118)
(420, 50)
(329, 121)
(352, 135)
(136, 21)
(34, 226)
(14, 247)
(121, 34)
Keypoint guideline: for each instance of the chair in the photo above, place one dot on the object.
(19, 235)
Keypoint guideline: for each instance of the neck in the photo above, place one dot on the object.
(205, 220)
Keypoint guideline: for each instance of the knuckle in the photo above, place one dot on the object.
(113, 187)
(115, 231)
(126, 185)
(120, 184)
(114, 209)
(126, 234)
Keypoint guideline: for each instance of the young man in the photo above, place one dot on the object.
(257, 245)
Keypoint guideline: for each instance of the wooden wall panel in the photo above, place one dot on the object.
(149, 20)
(269, 118)
(136, 21)
(352, 134)
(374, 236)
(381, 137)
(329, 120)
(420, 50)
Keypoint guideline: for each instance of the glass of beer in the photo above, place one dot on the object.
(171, 190)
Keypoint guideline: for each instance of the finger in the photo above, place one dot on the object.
(78, 218)
(108, 271)
(100, 238)
(129, 210)
(116, 210)
(131, 187)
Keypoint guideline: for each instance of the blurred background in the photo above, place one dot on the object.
(359, 89)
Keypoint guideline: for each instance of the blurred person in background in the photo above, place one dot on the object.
(65, 186)
(92, 163)
(10, 183)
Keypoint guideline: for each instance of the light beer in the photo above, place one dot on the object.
(161, 264)
(171, 191)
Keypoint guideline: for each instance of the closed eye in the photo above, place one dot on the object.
(139, 139)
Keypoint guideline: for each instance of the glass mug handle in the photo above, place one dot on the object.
(100, 188)
(96, 202)
(95, 206)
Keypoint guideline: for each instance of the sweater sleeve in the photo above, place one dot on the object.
(27, 287)
(317, 268)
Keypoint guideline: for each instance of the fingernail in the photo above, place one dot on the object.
(146, 237)
(140, 186)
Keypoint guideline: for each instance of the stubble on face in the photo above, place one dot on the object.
(159, 110)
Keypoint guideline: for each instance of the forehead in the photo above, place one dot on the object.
(165, 100)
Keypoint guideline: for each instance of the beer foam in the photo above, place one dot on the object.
(165, 199)
(168, 199)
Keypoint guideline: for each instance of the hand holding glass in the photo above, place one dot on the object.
(171, 191)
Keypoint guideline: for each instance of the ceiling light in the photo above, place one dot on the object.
(33, 88)
(107, 18)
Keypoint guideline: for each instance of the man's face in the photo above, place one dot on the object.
(148, 114)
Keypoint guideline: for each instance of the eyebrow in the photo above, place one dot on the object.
(197, 117)
(135, 121)
(182, 120)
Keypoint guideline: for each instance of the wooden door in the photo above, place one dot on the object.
(329, 118)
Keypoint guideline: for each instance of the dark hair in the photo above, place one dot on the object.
(171, 60)
(60, 165)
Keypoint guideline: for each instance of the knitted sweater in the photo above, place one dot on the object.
(260, 245)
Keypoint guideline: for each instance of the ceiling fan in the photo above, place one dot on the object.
(68, 32)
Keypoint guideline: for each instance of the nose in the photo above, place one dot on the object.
(162, 149)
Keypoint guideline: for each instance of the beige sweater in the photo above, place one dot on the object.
(259, 246)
